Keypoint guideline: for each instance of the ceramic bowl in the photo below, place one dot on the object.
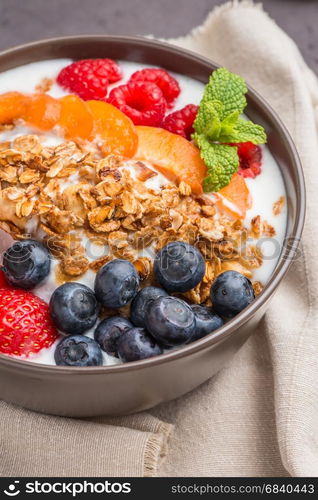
(132, 387)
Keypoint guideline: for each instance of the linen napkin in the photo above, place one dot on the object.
(259, 416)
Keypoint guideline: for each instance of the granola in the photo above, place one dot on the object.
(73, 200)
(279, 205)
(260, 227)
(44, 86)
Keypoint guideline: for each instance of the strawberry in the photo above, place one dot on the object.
(25, 323)
(89, 78)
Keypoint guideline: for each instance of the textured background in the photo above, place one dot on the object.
(27, 20)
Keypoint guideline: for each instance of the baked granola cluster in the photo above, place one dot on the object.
(68, 195)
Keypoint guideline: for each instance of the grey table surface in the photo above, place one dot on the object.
(27, 20)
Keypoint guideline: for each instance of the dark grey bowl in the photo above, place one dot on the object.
(122, 389)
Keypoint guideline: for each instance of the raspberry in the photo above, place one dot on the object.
(25, 323)
(181, 122)
(168, 85)
(89, 78)
(143, 102)
(250, 156)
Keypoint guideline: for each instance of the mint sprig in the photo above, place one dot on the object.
(219, 123)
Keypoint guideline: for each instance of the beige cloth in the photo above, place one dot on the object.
(259, 416)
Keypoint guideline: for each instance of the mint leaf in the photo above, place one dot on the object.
(227, 88)
(244, 131)
(207, 121)
(221, 161)
(218, 123)
(228, 125)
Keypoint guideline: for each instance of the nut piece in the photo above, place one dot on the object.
(143, 172)
(184, 189)
(144, 266)
(258, 287)
(74, 265)
(256, 226)
(98, 263)
(44, 86)
(29, 175)
(234, 265)
(279, 205)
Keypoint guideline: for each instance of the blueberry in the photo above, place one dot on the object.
(116, 283)
(231, 292)
(26, 263)
(179, 267)
(78, 350)
(136, 344)
(74, 308)
(108, 332)
(206, 321)
(141, 302)
(170, 321)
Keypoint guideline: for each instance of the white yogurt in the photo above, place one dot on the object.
(25, 78)
(265, 190)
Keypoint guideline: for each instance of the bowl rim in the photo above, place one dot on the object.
(283, 263)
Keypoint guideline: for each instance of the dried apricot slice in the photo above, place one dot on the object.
(76, 119)
(176, 157)
(42, 111)
(239, 196)
(115, 130)
(12, 106)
